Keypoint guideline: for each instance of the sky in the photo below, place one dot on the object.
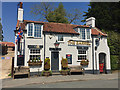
(9, 15)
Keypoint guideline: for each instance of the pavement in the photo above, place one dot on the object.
(11, 83)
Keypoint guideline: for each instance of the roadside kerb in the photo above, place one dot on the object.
(53, 79)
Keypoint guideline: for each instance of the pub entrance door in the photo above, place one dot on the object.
(54, 60)
(102, 62)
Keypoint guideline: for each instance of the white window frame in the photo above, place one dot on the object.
(85, 34)
(63, 38)
(81, 54)
(34, 53)
(34, 30)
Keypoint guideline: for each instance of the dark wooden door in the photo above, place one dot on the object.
(54, 60)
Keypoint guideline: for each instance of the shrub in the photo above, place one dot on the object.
(64, 63)
(114, 62)
(9, 74)
(42, 73)
(47, 64)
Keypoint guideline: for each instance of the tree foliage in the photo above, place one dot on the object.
(107, 15)
(107, 19)
(47, 12)
(1, 31)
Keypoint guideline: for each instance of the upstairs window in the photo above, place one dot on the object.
(34, 30)
(30, 29)
(88, 33)
(84, 33)
(37, 30)
(60, 38)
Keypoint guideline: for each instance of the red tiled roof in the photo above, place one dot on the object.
(60, 27)
(9, 44)
(96, 31)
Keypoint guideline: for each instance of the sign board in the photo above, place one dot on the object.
(35, 46)
(77, 43)
(69, 58)
(20, 60)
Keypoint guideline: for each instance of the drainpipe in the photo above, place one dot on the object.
(44, 45)
(93, 52)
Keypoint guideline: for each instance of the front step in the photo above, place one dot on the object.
(55, 72)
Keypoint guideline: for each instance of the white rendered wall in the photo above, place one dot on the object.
(65, 49)
(103, 48)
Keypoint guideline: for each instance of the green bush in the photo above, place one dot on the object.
(47, 64)
(114, 62)
(9, 74)
(64, 63)
(42, 73)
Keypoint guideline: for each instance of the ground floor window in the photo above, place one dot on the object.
(82, 54)
(35, 54)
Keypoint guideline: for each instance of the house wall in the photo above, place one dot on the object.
(65, 49)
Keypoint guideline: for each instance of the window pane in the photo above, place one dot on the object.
(80, 33)
(30, 29)
(81, 52)
(83, 33)
(81, 57)
(60, 38)
(37, 30)
(88, 33)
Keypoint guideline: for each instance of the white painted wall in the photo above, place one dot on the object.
(65, 49)
(103, 48)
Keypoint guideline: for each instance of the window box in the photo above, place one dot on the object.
(35, 63)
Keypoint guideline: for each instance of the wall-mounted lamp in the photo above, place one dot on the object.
(56, 44)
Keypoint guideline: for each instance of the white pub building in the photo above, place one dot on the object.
(76, 43)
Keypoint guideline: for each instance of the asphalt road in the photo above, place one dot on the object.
(77, 84)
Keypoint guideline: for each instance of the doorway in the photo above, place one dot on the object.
(102, 62)
(54, 60)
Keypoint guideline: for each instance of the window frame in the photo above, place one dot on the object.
(28, 30)
(34, 53)
(81, 54)
(58, 37)
(33, 35)
(80, 36)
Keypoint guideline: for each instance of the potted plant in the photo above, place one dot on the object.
(84, 62)
(65, 69)
(46, 71)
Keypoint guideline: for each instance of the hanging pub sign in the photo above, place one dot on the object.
(77, 43)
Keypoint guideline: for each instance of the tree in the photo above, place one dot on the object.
(47, 12)
(106, 14)
(1, 31)
(107, 19)
(58, 15)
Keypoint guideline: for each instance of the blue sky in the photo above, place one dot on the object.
(9, 15)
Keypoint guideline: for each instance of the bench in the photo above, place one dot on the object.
(22, 70)
(76, 69)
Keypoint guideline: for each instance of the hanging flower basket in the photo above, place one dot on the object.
(84, 62)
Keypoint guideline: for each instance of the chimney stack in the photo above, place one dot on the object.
(90, 21)
(20, 12)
